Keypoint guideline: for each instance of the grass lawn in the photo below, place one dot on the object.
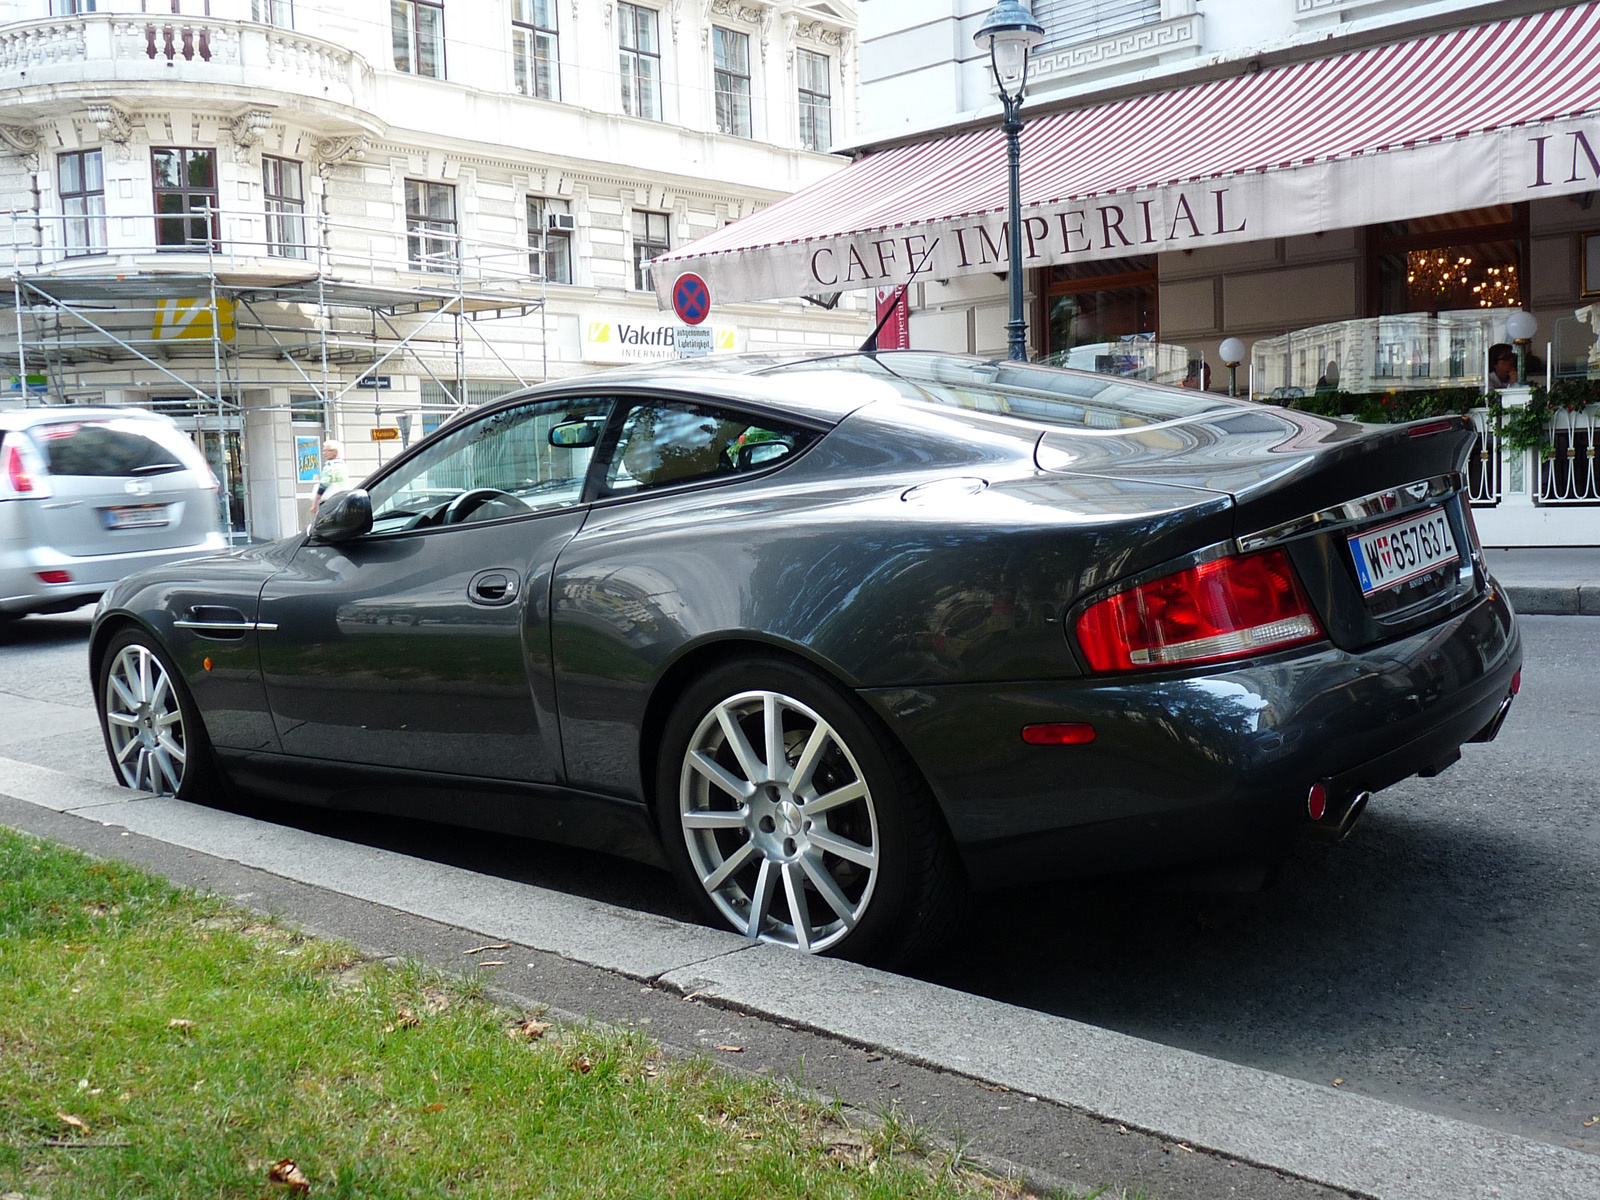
(154, 1043)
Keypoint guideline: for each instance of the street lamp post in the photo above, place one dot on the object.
(1008, 33)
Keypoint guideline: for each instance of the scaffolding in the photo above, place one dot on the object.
(216, 312)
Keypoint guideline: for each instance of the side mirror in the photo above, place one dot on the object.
(760, 454)
(574, 435)
(349, 516)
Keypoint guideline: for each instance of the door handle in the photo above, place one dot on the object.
(498, 585)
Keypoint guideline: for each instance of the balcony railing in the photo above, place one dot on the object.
(95, 48)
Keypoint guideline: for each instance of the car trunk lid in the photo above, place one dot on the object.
(1332, 493)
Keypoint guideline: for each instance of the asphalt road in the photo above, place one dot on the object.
(1447, 957)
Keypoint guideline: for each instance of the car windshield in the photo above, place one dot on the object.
(1042, 394)
(119, 446)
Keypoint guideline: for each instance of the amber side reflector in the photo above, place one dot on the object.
(1066, 733)
(206, 662)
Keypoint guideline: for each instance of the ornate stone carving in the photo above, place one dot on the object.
(336, 151)
(816, 31)
(19, 139)
(1144, 42)
(111, 121)
(249, 125)
(740, 12)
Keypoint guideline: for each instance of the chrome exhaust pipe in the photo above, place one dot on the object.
(1336, 820)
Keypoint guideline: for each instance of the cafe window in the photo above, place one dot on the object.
(639, 61)
(1108, 300)
(1461, 260)
(816, 99)
(534, 48)
(731, 62)
(650, 239)
(186, 182)
(418, 36)
(83, 201)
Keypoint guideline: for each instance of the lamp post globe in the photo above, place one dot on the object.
(1232, 351)
(1520, 328)
(1008, 33)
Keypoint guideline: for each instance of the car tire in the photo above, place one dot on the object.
(839, 849)
(152, 729)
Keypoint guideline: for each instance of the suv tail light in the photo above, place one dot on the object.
(18, 477)
(1227, 608)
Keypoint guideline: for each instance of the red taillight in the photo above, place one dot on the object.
(16, 472)
(54, 576)
(1516, 681)
(1061, 733)
(1218, 610)
(1430, 428)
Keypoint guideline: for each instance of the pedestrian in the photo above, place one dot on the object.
(334, 478)
(1502, 367)
(1330, 379)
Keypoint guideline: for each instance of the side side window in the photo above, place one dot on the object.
(517, 461)
(670, 442)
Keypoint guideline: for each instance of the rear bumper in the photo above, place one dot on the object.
(1189, 768)
(22, 591)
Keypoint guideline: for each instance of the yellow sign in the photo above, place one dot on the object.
(386, 433)
(191, 317)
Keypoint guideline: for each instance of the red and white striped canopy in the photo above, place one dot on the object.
(1484, 115)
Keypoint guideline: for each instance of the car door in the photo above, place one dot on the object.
(424, 644)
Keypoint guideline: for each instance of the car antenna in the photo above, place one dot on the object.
(870, 346)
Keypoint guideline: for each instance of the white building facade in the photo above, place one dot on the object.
(1362, 191)
(287, 220)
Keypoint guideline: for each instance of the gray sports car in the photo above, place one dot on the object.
(837, 637)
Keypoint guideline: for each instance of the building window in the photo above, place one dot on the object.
(534, 49)
(186, 182)
(1460, 260)
(70, 8)
(83, 201)
(816, 99)
(649, 240)
(430, 225)
(1098, 304)
(550, 239)
(1068, 22)
(273, 12)
(285, 203)
(731, 63)
(418, 27)
(640, 61)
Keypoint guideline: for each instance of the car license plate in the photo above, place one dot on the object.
(1403, 550)
(135, 516)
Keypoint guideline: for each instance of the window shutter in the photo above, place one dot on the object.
(1067, 22)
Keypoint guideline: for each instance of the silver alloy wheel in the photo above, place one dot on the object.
(145, 722)
(779, 820)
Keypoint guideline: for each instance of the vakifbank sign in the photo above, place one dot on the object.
(608, 339)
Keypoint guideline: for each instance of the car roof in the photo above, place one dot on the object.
(49, 414)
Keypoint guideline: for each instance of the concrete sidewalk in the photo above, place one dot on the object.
(1224, 1117)
(1550, 580)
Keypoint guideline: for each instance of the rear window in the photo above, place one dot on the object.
(117, 447)
(1034, 393)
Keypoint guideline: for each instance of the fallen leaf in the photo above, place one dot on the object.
(436, 1106)
(1338, 1082)
(286, 1172)
(495, 946)
(405, 1019)
(583, 1064)
(529, 1030)
(180, 1023)
(77, 1123)
(732, 1049)
(1591, 1122)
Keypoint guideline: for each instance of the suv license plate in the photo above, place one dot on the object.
(1403, 550)
(135, 516)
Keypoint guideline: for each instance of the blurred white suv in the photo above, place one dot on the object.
(88, 495)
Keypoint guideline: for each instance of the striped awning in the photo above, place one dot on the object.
(1469, 118)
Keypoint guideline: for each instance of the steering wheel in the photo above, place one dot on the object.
(463, 506)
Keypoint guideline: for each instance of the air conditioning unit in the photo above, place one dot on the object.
(560, 222)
